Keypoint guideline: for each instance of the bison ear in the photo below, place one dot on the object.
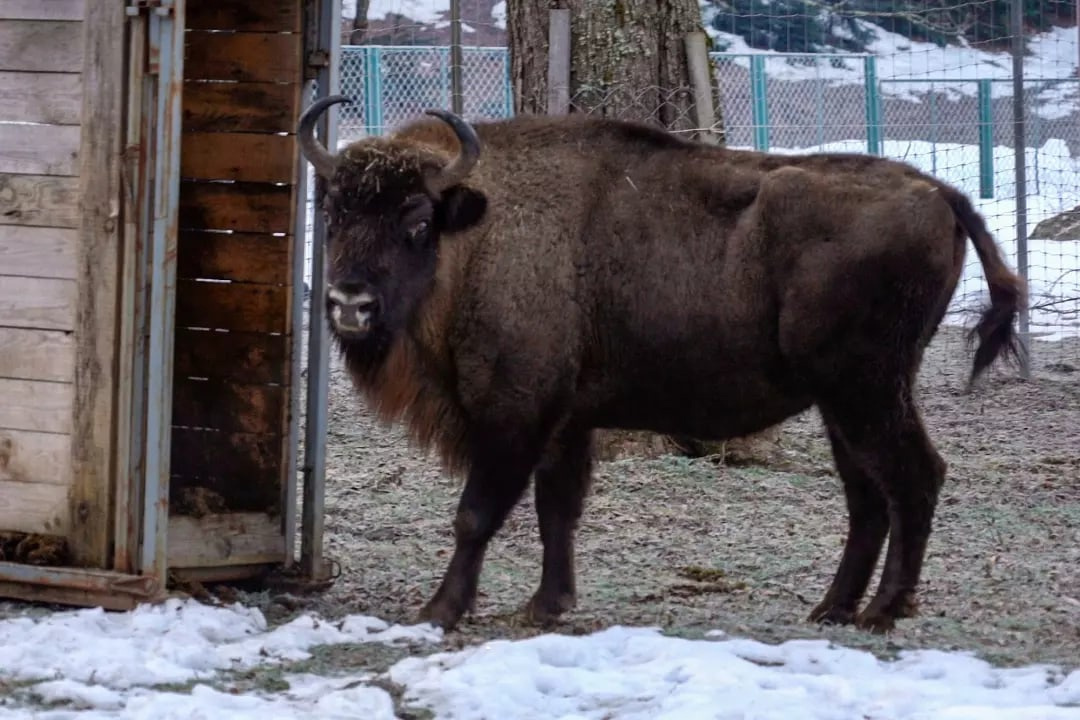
(460, 208)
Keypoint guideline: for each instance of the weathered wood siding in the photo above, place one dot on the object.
(243, 71)
(41, 63)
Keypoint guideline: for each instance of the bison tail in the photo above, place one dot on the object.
(1008, 291)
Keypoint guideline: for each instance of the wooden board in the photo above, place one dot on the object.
(243, 207)
(40, 200)
(240, 107)
(243, 57)
(93, 415)
(36, 406)
(241, 257)
(29, 354)
(37, 303)
(244, 15)
(38, 251)
(33, 508)
(228, 406)
(41, 45)
(36, 457)
(240, 356)
(42, 9)
(240, 469)
(235, 539)
(239, 156)
(232, 306)
(213, 453)
(53, 98)
(39, 149)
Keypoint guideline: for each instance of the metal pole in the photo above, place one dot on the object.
(457, 98)
(167, 32)
(1020, 160)
(311, 541)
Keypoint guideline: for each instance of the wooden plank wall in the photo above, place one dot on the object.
(41, 62)
(237, 220)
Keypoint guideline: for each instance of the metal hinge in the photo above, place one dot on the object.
(161, 7)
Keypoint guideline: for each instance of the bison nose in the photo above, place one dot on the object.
(352, 308)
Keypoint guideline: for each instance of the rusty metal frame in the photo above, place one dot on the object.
(323, 53)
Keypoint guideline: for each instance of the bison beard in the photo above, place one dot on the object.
(558, 275)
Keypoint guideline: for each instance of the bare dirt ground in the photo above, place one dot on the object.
(693, 545)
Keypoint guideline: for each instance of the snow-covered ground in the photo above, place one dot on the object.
(172, 661)
(908, 68)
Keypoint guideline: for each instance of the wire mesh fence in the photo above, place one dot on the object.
(392, 84)
(911, 92)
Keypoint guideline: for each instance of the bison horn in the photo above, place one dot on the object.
(460, 168)
(320, 158)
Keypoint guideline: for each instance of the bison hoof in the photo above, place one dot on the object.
(441, 614)
(876, 622)
(829, 614)
(880, 615)
(544, 609)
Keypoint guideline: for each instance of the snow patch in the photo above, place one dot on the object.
(639, 674)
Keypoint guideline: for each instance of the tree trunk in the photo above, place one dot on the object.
(628, 58)
(359, 23)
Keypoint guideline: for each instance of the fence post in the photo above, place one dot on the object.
(445, 71)
(759, 102)
(1020, 160)
(558, 99)
(986, 142)
(457, 60)
(873, 106)
(508, 106)
(697, 57)
(372, 90)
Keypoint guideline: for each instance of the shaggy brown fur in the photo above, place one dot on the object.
(599, 274)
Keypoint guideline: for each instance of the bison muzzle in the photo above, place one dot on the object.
(505, 289)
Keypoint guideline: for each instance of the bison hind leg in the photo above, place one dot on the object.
(562, 483)
(884, 445)
(868, 523)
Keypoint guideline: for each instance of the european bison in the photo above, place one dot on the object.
(508, 287)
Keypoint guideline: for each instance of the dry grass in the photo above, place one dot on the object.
(690, 545)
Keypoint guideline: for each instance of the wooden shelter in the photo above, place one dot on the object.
(152, 227)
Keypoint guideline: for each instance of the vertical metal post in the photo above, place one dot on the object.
(314, 471)
(373, 114)
(445, 65)
(873, 106)
(986, 141)
(131, 400)
(819, 105)
(1020, 159)
(167, 48)
(457, 62)
(759, 102)
(935, 125)
(508, 91)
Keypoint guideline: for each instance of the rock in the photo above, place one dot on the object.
(1063, 226)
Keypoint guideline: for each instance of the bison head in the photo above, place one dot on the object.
(388, 202)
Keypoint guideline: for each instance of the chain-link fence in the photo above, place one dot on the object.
(947, 110)
(392, 84)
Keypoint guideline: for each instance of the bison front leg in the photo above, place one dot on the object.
(497, 479)
(562, 483)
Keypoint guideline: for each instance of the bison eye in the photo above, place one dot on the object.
(418, 232)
